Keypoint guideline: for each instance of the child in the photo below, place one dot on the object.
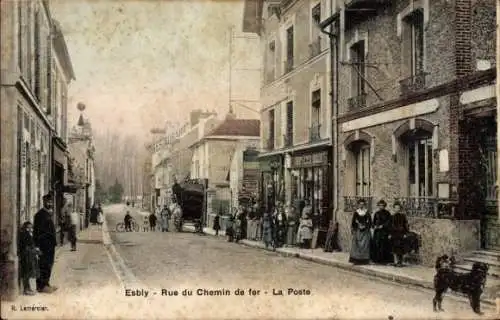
(28, 257)
(217, 224)
(145, 226)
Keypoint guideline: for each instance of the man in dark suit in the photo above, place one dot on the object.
(44, 234)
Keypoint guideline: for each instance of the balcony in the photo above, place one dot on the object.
(315, 133)
(288, 65)
(413, 84)
(315, 48)
(424, 207)
(288, 140)
(351, 203)
(270, 144)
(357, 102)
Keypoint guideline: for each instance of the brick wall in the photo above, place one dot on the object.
(463, 33)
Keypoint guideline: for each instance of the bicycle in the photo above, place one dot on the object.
(120, 227)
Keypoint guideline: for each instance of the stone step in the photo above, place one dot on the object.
(492, 272)
(491, 261)
(490, 253)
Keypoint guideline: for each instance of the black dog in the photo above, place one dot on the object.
(471, 284)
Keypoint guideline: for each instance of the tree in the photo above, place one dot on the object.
(115, 192)
(100, 192)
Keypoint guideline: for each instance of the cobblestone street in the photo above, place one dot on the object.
(164, 264)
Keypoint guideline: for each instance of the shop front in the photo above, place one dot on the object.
(59, 179)
(310, 175)
(272, 182)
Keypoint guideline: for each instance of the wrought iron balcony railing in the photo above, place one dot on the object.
(351, 203)
(425, 207)
(315, 47)
(315, 133)
(270, 144)
(288, 140)
(357, 102)
(413, 84)
(288, 65)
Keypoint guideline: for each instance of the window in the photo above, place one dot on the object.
(315, 46)
(271, 130)
(362, 160)
(49, 79)
(420, 172)
(289, 49)
(413, 42)
(38, 55)
(20, 32)
(271, 61)
(358, 69)
(315, 114)
(29, 44)
(289, 124)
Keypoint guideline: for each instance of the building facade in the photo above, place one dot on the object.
(33, 111)
(417, 119)
(296, 105)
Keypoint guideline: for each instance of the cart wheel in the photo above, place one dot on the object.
(120, 227)
(136, 227)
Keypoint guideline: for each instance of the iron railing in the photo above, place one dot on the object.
(315, 47)
(413, 84)
(351, 203)
(425, 207)
(314, 133)
(357, 102)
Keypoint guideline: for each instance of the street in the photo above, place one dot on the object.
(176, 261)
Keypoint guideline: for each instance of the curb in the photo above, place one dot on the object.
(357, 269)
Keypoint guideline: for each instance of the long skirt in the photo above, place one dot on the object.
(291, 234)
(360, 249)
(250, 229)
(258, 230)
(267, 234)
(164, 223)
(381, 251)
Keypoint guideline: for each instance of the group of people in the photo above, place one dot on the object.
(37, 243)
(276, 227)
(382, 237)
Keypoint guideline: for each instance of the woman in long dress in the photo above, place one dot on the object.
(267, 229)
(381, 247)
(280, 226)
(360, 226)
(399, 230)
(305, 232)
(291, 233)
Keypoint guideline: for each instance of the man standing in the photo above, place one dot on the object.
(74, 218)
(44, 234)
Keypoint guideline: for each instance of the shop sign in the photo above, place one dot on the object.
(310, 160)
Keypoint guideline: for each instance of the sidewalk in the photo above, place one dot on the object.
(85, 279)
(414, 275)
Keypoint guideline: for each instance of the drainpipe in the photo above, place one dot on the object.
(334, 75)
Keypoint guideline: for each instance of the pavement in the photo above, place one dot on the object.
(181, 275)
(414, 275)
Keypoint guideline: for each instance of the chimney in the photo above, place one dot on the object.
(230, 115)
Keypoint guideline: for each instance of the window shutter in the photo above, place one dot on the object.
(38, 92)
(49, 76)
(289, 118)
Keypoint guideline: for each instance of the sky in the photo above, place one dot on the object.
(141, 63)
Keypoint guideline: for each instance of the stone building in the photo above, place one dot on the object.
(35, 72)
(417, 119)
(296, 105)
(213, 153)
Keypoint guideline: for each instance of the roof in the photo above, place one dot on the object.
(237, 127)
